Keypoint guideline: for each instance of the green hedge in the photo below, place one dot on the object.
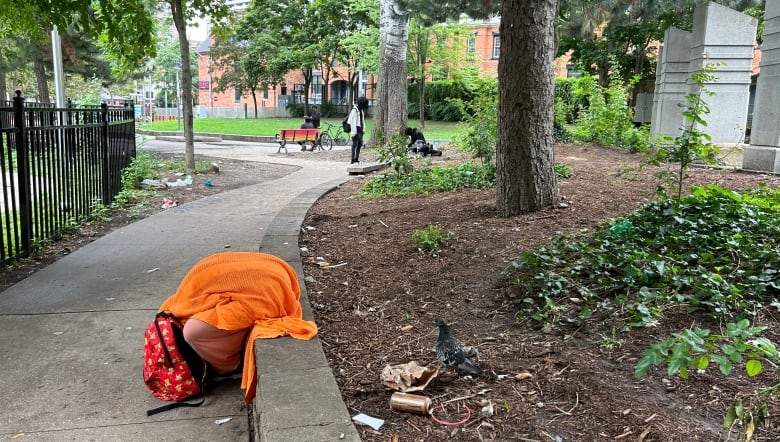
(438, 95)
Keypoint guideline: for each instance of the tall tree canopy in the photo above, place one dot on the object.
(123, 28)
(293, 24)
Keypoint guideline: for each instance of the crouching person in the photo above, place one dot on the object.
(227, 300)
(417, 143)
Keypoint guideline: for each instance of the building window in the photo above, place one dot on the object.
(284, 91)
(237, 96)
(316, 88)
(496, 45)
(471, 44)
(265, 94)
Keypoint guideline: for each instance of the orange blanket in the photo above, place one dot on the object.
(235, 290)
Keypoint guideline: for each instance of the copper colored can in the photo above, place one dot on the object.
(411, 403)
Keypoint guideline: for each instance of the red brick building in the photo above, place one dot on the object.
(482, 47)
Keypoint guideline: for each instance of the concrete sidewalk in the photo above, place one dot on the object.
(72, 333)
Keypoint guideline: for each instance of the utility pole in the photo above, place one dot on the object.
(56, 47)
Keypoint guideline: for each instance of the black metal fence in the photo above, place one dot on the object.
(58, 166)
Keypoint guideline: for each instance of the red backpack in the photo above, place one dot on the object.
(173, 371)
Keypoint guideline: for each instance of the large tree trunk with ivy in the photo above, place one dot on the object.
(525, 167)
(391, 100)
(185, 94)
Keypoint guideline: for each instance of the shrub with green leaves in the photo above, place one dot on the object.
(427, 180)
(423, 181)
(479, 126)
(431, 239)
(715, 251)
(567, 104)
(697, 348)
(693, 143)
(395, 154)
(608, 120)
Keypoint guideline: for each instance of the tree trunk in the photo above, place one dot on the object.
(42, 82)
(307, 75)
(421, 94)
(525, 167)
(390, 108)
(186, 82)
(3, 86)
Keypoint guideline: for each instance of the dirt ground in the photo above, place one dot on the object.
(376, 303)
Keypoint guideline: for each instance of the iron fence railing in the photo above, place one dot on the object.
(57, 167)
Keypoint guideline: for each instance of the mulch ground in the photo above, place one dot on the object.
(570, 383)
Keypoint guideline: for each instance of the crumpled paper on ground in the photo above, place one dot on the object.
(408, 377)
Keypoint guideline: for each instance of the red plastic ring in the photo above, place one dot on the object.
(448, 423)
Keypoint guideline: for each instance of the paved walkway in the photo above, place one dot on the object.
(72, 333)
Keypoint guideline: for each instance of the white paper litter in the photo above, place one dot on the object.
(368, 420)
(223, 421)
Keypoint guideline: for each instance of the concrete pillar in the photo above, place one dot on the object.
(763, 153)
(723, 35)
(670, 83)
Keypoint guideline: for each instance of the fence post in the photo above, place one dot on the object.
(104, 150)
(23, 177)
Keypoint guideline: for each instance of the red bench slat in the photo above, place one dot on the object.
(299, 136)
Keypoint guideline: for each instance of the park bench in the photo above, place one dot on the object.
(303, 137)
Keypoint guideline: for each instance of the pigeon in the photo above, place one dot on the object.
(451, 352)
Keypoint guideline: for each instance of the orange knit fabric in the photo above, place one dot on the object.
(235, 290)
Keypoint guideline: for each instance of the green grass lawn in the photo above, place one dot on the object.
(434, 130)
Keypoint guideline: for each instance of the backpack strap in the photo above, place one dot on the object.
(173, 405)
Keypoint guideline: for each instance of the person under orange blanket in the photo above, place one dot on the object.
(229, 299)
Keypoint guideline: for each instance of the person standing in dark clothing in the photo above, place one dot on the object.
(356, 122)
(315, 116)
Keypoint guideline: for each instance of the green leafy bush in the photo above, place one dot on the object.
(423, 181)
(431, 238)
(692, 143)
(715, 251)
(568, 105)
(479, 127)
(697, 348)
(563, 170)
(608, 120)
(294, 109)
(426, 180)
(395, 154)
(437, 99)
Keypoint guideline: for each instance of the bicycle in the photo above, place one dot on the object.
(332, 134)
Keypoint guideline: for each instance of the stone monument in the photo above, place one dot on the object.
(671, 83)
(726, 37)
(763, 153)
(721, 36)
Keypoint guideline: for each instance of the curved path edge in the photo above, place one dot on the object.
(297, 395)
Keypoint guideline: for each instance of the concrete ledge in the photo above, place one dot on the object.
(207, 137)
(361, 168)
(180, 138)
(297, 396)
(761, 159)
